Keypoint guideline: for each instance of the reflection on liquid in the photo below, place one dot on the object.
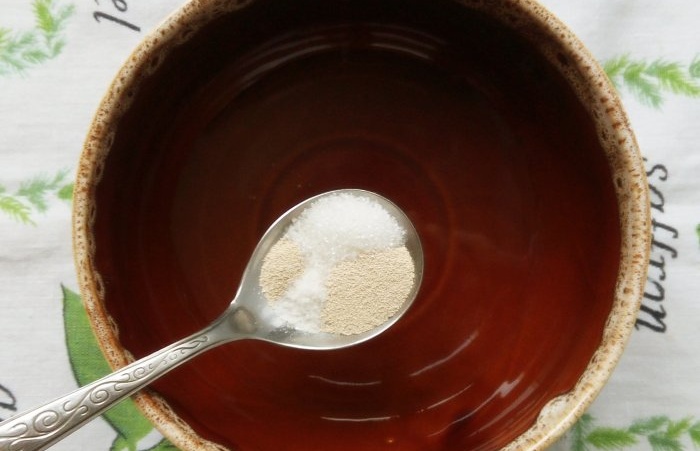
(527, 392)
(449, 357)
(344, 383)
(501, 392)
(362, 420)
(447, 399)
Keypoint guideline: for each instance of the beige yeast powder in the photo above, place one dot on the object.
(365, 292)
(281, 266)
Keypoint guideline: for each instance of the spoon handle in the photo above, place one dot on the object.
(39, 428)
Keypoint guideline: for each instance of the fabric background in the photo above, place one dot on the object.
(69, 50)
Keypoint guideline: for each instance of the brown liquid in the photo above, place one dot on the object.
(452, 117)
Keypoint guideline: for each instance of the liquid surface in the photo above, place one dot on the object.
(451, 117)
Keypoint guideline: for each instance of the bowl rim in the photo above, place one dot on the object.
(556, 42)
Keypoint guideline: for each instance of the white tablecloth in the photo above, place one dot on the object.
(57, 58)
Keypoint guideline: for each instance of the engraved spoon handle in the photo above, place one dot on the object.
(42, 427)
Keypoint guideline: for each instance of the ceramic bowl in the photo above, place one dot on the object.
(488, 122)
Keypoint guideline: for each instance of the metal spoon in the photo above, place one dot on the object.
(42, 427)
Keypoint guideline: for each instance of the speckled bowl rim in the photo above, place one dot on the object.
(560, 47)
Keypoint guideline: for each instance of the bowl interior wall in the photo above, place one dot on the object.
(444, 111)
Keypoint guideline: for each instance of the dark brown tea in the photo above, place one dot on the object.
(444, 111)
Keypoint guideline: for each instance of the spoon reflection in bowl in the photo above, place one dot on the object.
(39, 428)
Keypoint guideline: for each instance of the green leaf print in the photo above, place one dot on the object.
(36, 189)
(648, 81)
(20, 50)
(694, 68)
(14, 208)
(66, 192)
(661, 442)
(611, 438)
(694, 434)
(648, 425)
(163, 445)
(89, 364)
(33, 194)
(660, 432)
(676, 429)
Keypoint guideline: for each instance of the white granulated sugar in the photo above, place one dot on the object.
(340, 225)
(333, 229)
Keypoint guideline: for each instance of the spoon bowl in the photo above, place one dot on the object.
(249, 300)
(41, 427)
(244, 314)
